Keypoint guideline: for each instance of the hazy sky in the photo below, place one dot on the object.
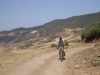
(30, 13)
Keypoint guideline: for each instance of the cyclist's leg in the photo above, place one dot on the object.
(64, 52)
(60, 50)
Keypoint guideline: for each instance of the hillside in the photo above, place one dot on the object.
(72, 22)
(51, 30)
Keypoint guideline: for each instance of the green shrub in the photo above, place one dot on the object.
(66, 43)
(28, 45)
(91, 34)
(53, 45)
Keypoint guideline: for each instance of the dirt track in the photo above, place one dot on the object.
(47, 64)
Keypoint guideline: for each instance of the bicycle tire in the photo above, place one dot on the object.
(61, 56)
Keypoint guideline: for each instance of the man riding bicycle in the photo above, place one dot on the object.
(61, 45)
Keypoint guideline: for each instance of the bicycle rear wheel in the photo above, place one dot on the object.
(61, 56)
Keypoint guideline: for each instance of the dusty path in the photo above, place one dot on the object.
(47, 64)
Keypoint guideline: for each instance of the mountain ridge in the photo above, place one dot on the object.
(50, 29)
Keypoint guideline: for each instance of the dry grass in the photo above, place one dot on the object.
(10, 59)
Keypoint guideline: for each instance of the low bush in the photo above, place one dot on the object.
(53, 45)
(66, 43)
(91, 33)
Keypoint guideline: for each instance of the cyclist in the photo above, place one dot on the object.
(61, 45)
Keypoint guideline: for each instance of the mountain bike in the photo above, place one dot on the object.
(61, 55)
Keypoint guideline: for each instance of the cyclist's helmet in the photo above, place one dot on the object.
(60, 38)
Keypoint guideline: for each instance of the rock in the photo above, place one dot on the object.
(76, 66)
(96, 63)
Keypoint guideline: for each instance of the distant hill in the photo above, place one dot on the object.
(82, 21)
(21, 29)
(50, 30)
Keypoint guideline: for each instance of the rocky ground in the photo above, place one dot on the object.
(86, 62)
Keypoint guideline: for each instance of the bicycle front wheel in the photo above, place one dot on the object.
(61, 56)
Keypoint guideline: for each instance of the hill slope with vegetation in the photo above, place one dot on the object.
(49, 29)
(82, 21)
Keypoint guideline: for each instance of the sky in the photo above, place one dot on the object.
(30, 13)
